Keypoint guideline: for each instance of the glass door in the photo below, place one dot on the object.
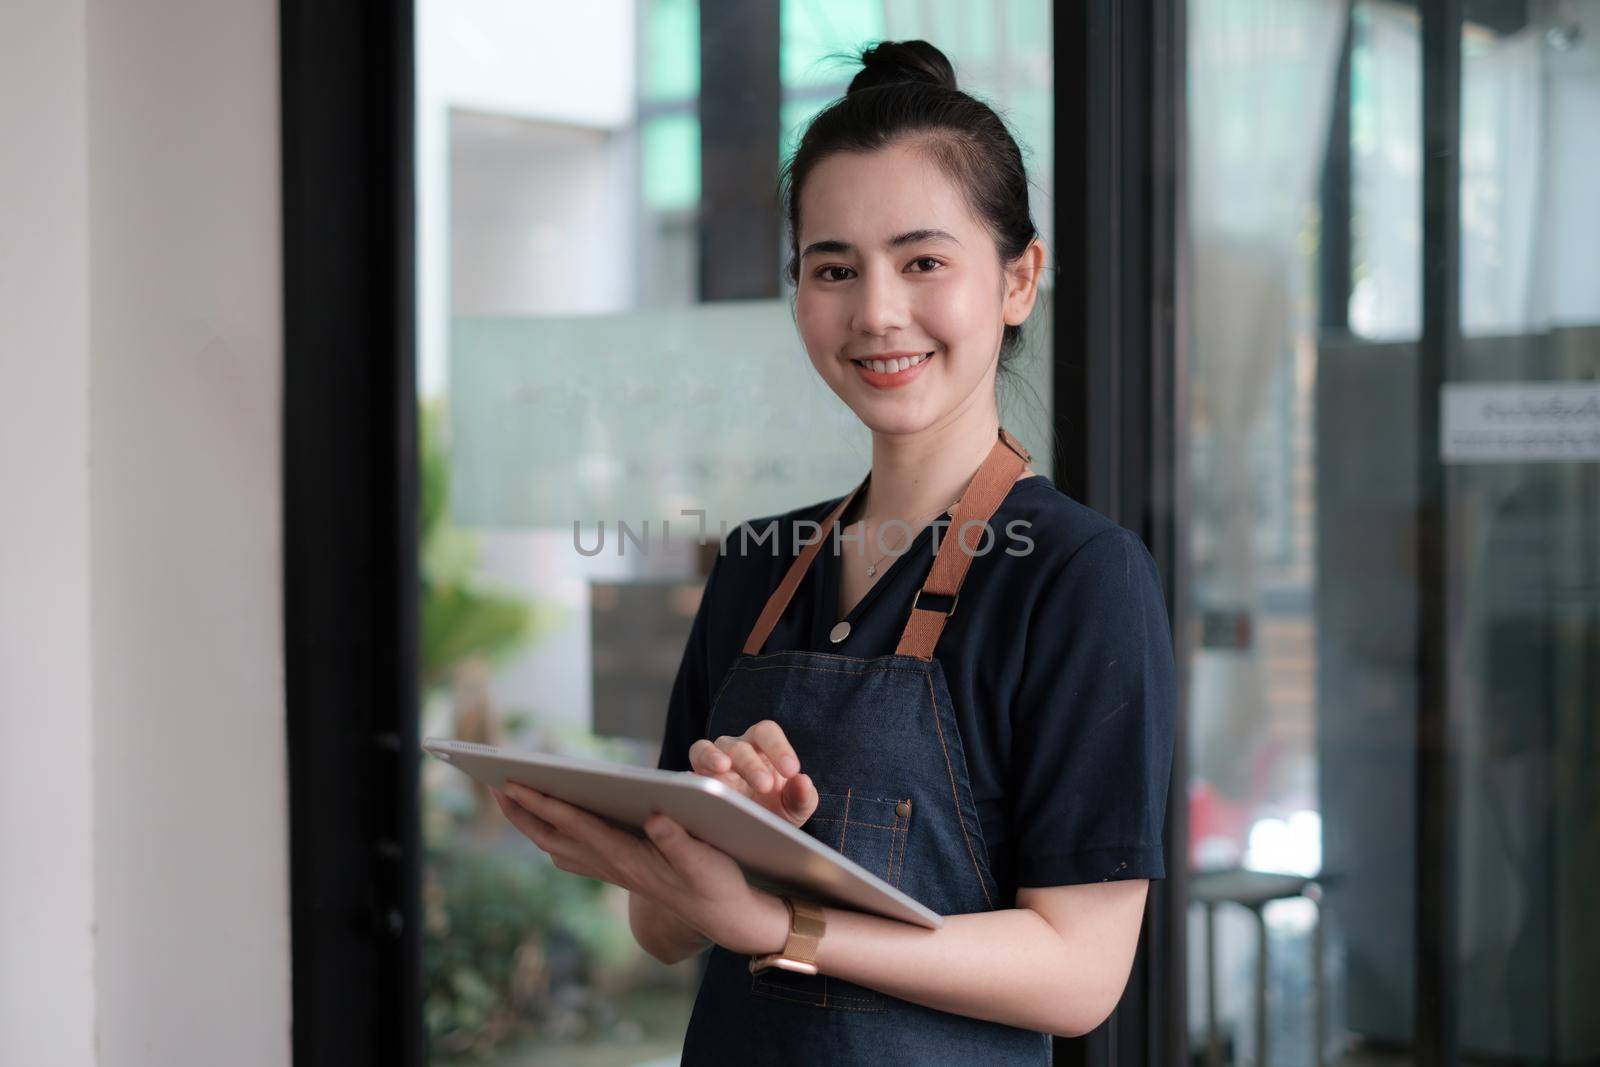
(1394, 415)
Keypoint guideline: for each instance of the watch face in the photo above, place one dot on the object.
(798, 966)
(762, 963)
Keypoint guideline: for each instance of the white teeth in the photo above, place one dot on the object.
(896, 365)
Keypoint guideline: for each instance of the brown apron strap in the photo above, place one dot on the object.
(978, 504)
(981, 500)
(779, 600)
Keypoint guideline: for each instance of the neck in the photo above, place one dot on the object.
(921, 473)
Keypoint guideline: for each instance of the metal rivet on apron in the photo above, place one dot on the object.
(903, 808)
(839, 632)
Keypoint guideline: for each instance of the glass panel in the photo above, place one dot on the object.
(1521, 440)
(1386, 174)
(1262, 79)
(571, 374)
(1304, 448)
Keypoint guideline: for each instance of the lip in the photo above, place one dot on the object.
(891, 379)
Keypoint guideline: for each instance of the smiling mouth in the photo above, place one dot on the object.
(891, 366)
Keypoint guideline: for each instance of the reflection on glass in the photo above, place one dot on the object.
(1525, 580)
(1261, 93)
(1305, 464)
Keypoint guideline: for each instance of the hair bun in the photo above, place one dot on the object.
(895, 62)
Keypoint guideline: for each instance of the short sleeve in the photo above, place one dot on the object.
(691, 698)
(1093, 720)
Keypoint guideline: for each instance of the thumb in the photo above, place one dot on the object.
(668, 836)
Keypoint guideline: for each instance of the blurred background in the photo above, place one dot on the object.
(362, 339)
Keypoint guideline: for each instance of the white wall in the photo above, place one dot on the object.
(542, 218)
(515, 59)
(46, 699)
(144, 877)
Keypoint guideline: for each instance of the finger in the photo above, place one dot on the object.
(506, 804)
(707, 758)
(583, 844)
(546, 807)
(703, 763)
(522, 805)
(799, 798)
(674, 842)
(769, 737)
(527, 823)
(572, 866)
(568, 820)
(752, 765)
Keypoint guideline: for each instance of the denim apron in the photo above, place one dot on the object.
(879, 739)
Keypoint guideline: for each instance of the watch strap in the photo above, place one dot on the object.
(799, 952)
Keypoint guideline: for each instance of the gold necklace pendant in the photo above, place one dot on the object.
(872, 568)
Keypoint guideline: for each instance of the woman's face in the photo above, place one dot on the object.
(893, 264)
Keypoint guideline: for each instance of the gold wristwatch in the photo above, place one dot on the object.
(799, 953)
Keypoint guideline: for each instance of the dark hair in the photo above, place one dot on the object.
(906, 91)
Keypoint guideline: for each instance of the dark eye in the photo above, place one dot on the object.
(823, 273)
(927, 259)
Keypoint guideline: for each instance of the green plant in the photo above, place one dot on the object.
(512, 946)
(461, 619)
(504, 930)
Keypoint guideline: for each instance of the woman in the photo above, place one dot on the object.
(1014, 782)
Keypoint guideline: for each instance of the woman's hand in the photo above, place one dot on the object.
(701, 885)
(761, 764)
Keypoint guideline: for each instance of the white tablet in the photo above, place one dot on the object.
(773, 854)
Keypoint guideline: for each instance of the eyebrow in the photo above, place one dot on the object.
(909, 237)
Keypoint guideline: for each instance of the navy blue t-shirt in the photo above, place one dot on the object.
(1058, 657)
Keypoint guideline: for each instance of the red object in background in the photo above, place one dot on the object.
(1212, 815)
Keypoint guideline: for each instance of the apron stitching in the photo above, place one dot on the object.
(764, 984)
(845, 826)
(825, 670)
(873, 825)
(956, 796)
(831, 655)
(727, 676)
(771, 991)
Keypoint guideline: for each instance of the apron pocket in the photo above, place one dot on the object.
(869, 830)
(872, 832)
(817, 991)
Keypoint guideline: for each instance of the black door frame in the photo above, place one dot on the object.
(1436, 901)
(351, 529)
(1118, 406)
(351, 506)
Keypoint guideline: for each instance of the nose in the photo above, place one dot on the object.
(880, 303)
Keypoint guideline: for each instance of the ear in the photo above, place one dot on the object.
(1022, 283)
